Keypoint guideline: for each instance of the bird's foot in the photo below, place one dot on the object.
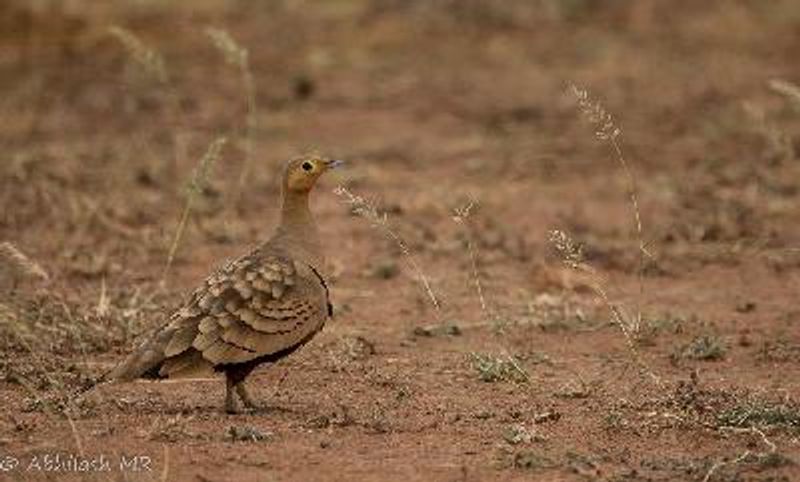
(247, 400)
(231, 407)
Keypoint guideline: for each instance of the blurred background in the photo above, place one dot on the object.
(108, 109)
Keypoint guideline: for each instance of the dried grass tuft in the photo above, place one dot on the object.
(492, 368)
(21, 263)
(607, 130)
(572, 256)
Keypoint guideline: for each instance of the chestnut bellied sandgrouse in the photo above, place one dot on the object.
(258, 308)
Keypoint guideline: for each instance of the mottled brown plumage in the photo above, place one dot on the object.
(256, 309)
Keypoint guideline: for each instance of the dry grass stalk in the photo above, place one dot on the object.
(20, 263)
(461, 216)
(147, 58)
(76, 436)
(239, 57)
(196, 186)
(7, 315)
(572, 255)
(780, 144)
(9, 319)
(234, 53)
(747, 454)
(607, 130)
(376, 219)
(152, 63)
(165, 471)
(787, 89)
(103, 307)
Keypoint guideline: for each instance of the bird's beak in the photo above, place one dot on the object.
(333, 163)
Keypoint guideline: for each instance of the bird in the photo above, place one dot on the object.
(257, 308)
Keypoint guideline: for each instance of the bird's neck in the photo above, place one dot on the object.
(297, 232)
(295, 213)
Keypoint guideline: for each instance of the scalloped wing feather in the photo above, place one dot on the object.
(252, 307)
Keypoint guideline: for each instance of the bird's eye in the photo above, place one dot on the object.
(307, 166)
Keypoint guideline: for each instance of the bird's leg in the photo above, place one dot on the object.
(247, 400)
(230, 400)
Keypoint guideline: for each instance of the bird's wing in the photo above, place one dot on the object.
(255, 306)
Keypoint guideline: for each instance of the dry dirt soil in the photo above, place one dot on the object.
(661, 354)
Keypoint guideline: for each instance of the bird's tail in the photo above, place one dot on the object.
(143, 362)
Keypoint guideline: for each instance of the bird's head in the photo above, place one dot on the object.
(302, 173)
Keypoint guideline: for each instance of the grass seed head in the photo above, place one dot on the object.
(571, 252)
(147, 58)
(234, 53)
(596, 114)
(362, 207)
